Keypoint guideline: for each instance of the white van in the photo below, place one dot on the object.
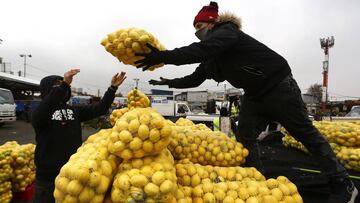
(7, 106)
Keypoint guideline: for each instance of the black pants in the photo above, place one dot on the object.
(44, 191)
(285, 105)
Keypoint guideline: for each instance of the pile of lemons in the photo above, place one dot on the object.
(125, 43)
(145, 158)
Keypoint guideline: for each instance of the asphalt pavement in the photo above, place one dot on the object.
(22, 132)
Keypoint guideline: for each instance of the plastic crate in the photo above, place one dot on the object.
(26, 195)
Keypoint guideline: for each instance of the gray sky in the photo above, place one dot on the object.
(64, 34)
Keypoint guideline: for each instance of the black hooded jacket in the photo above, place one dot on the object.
(58, 126)
(230, 54)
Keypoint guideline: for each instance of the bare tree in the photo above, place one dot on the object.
(316, 91)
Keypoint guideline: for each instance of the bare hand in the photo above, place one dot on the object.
(68, 76)
(118, 79)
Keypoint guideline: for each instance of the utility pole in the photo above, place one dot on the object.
(326, 44)
(224, 90)
(136, 82)
(25, 56)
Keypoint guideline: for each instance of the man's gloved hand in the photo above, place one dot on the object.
(154, 57)
(162, 81)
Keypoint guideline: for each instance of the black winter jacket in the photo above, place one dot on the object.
(230, 54)
(58, 126)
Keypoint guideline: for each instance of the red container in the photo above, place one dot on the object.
(26, 195)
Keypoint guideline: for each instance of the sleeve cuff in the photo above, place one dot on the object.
(113, 88)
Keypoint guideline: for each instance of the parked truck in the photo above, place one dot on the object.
(170, 108)
(352, 116)
(7, 106)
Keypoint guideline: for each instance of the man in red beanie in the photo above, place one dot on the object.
(225, 52)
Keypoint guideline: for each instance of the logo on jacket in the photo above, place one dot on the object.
(63, 114)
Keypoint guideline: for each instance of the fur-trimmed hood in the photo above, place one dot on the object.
(230, 17)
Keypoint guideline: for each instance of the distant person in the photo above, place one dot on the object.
(27, 112)
(225, 52)
(58, 128)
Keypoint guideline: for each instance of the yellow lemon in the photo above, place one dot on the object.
(158, 178)
(151, 189)
(138, 180)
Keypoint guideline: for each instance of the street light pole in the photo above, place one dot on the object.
(25, 56)
(326, 44)
(136, 82)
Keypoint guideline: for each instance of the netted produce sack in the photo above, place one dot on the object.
(184, 122)
(348, 156)
(124, 43)
(5, 192)
(116, 114)
(342, 133)
(191, 125)
(101, 137)
(23, 167)
(137, 99)
(192, 175)
(289, 141)
(148, 179)
(250, 191)
(139, 132)
(206, 147)
(88, 174)
(5, 173)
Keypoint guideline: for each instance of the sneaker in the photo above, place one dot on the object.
(343, 192)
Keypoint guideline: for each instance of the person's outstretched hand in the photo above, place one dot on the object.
(152, 58)
(68, 76)
(162, 81)
(118, 79)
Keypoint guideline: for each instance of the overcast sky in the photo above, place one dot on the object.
(67, 33)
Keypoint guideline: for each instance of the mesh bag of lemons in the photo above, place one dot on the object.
(192, 175)
(124, 43)
(5, 174)
(138, 133)
(198, 183)
(148, 179)
(18, 165)
(23, 167)
(88, 174)
(135, 99)
(192, 125)
(116, 114)
(342, 133)
(348, 156)
(250, 191)
(206, 147)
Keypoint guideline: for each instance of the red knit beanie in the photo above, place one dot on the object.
(207, 13)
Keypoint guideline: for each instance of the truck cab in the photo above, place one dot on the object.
(7, 106)
(170, 108)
